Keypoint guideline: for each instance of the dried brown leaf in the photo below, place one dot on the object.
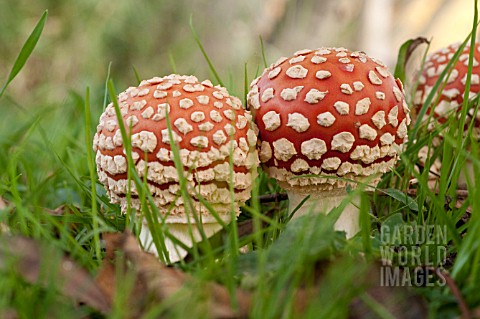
(8, 314)
(414, 45)
(106, 275)
(164, 283)
(476, 313)
(37, 263)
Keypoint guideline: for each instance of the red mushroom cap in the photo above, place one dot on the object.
(207, 124)
(451, 98)
(328, 112)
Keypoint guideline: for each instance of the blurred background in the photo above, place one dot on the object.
(81, 38)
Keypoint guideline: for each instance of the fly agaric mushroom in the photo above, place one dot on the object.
(450, 99)
(208, 126)
(332, 113)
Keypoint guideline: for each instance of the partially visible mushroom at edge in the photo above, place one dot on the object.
(209, 127)
(449, 101)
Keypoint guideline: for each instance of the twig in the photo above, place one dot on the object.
(466, 314)
(269, 198)
(457, 294)
(246, 227)
(461, 193)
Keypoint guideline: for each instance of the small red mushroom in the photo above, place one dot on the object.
(332, 113)
(450, 99)
(208, 126)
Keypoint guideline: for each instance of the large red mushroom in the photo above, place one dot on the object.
(333, 113)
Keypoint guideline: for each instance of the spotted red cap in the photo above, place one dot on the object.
(451, 97)
(208, 124)
(328, 112)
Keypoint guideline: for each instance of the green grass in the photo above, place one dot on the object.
(49, 185)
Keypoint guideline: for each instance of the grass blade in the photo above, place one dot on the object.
(365, 227)
(245, 84)
(27, 49)
(105, 94)
(263, 53)
(137, 76)
(210, 64)
(91, 169)
(468, 250)
(171, 60)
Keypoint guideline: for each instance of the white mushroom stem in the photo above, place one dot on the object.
(183, 232)
(324, 202)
